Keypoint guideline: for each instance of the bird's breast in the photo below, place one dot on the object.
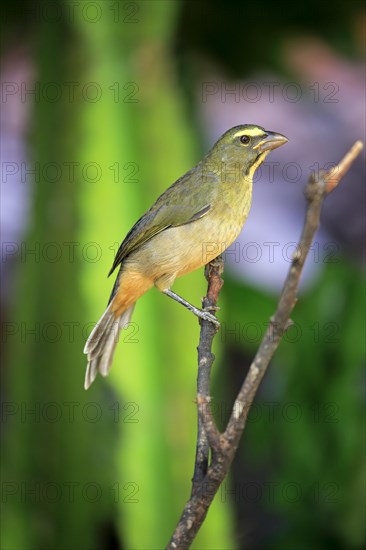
(214, 233)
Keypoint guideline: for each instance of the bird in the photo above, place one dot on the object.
(191, 223)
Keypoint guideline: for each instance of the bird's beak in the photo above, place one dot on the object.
(271, 141)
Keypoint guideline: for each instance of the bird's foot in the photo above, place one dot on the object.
(211, 308)
(201, 313)
(207, 316)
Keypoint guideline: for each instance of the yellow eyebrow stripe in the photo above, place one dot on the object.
(252, 132)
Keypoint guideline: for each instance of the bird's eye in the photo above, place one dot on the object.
(245, 139)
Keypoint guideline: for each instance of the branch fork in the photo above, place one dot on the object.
(215, 451)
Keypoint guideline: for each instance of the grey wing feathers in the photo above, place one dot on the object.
(102, 341)
(178, 205)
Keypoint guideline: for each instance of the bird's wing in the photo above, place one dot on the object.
(178, 205)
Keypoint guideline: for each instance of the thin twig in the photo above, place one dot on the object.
(209, 476)
(334, 176)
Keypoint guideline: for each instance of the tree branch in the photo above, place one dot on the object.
(209, 475)
(213, 272)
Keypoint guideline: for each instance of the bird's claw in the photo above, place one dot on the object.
(207, 316)
(211, 308)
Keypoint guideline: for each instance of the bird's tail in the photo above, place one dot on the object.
(102, 341)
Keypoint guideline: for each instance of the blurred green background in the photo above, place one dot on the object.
(115, 117)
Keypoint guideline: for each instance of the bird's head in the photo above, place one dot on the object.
(246, 145)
